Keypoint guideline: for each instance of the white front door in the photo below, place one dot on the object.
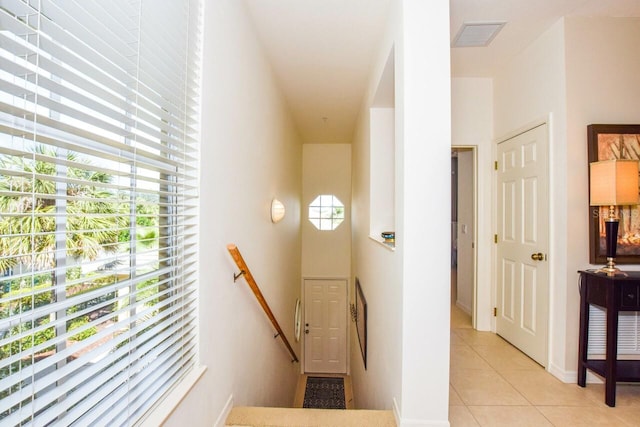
(523, 242)
(325, 326)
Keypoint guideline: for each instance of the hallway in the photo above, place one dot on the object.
(494, 384)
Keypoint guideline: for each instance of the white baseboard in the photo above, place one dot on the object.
(396, 412)
(464, 307)
(564, 376)
(419, 423)
(222, 418)
(571, 377)
(415, 423)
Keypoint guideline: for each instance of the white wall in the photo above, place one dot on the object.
(424, 132)
(250, 154)
(603, 86)
(326, 169)
(407, 290)
(472, 125)
(382, 166)
(581, 71)
(378, 269)
(528, 89)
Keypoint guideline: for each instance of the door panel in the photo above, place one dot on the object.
(529, 300)
(508, 209)
(508, 272)
(325, 326)
(523, 213)
(529, 223)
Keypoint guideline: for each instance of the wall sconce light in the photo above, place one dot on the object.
(277, 211)
(613, 183)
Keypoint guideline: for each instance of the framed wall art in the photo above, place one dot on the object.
(361, 321)
(607, 142)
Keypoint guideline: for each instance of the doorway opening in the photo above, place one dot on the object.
(463, 230)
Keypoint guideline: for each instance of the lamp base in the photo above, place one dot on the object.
(611, 236)
(610, 269)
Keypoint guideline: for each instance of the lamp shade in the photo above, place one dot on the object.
(613, 183)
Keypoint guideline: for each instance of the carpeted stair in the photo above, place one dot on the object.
(299, 417)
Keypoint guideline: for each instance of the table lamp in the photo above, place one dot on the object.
(613, 183)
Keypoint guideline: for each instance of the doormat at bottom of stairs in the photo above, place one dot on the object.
(324, 393)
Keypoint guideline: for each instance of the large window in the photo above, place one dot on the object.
(98, 171)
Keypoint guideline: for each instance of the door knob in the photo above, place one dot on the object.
(537, 257)
(306, 331)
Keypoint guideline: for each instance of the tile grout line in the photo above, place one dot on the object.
(503, 377)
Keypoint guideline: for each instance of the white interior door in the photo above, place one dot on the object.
(325, 326)
(523, 242)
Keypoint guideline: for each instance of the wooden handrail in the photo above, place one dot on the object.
(244, 271)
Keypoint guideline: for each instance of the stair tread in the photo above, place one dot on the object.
(245, 416)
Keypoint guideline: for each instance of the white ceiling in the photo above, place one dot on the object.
(322, 51)
(526, 20)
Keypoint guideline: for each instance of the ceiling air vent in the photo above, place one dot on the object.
(477, 34)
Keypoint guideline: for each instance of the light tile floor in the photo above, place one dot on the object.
(493, 384)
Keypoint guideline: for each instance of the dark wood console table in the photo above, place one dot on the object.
(614, 294)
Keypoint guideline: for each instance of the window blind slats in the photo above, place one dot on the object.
(140, 394)
(122, 59)
(145, 112)
(136, 353)
(82, 141)
(98, 121)
(89, 345)
(36, 313)
(85, 383)
(78, 31)
(125, 391)
(86, 375)
(98, 196)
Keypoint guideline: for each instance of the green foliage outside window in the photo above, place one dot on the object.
(97, 224)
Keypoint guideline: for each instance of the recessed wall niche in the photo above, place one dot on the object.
(382, 155)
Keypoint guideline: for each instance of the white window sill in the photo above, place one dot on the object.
(380, 241)
(165, 407)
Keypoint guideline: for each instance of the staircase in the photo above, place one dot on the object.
(298, 416)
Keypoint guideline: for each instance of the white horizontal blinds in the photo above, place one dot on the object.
(98, 171)
(628, 333)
